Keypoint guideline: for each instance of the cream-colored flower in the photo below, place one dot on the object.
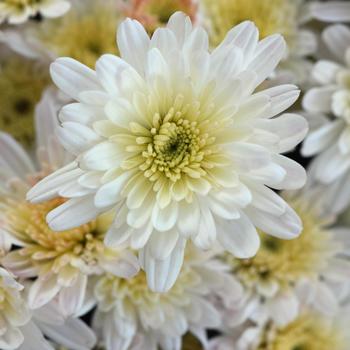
(173, 137)
(156, 13)
(13, 311)
(130, 316)
(60, 261)
(19, 11)
(330, 102)
(270, 16)
(314, 261)
(310, 330)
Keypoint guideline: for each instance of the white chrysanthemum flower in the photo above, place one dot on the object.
(13, 312)
(60, 261)
(85, 33)
(316, 261)
(22, 330)
(19, 11)
(130, 316)
(270, 16)
(70, 332)
(310, 330)
(174, 138)
(331, 141)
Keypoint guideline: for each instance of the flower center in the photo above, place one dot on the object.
(285, 262)
(83, 33)
(308, 332)
(21, 86)
(270, 16)
(110, 290)
(176, 145)
(41, 245)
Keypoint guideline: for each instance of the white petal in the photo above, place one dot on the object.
(284, 309)
(33, 338)
(73, 334)
(165, 219)
(14, 158)
(133, 43)
(335, 11)
(161, 244)
(267, 55)
(337, 39)
(103, 156)
(73, 213)
(76, 138)
(162, 274)
(54, 9)
(324, 72)
(110, 193)
(319, 99)
(286, 226)
(282, 97)
(109, 69)
(295, 176)
(239, 237)
(72, 77)
(42, 291)
(181, 26)
(71, 298)
(322, 138)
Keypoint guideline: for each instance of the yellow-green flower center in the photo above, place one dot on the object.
(44, 247)
(83, 34)
(21, 84)
(285, 262)
(308, 332)
(270, 16)
(110, 290)
(176, 144)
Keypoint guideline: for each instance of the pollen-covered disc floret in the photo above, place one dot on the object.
(174, 136)
(19, 11)
(139, 316)
(13, 311)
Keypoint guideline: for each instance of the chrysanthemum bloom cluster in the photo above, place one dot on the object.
(129, 313)
(314, 261)
(19, 11)
(331, 140)
(310, 330)
(174, 139)
(270, 16)
(60, 262)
